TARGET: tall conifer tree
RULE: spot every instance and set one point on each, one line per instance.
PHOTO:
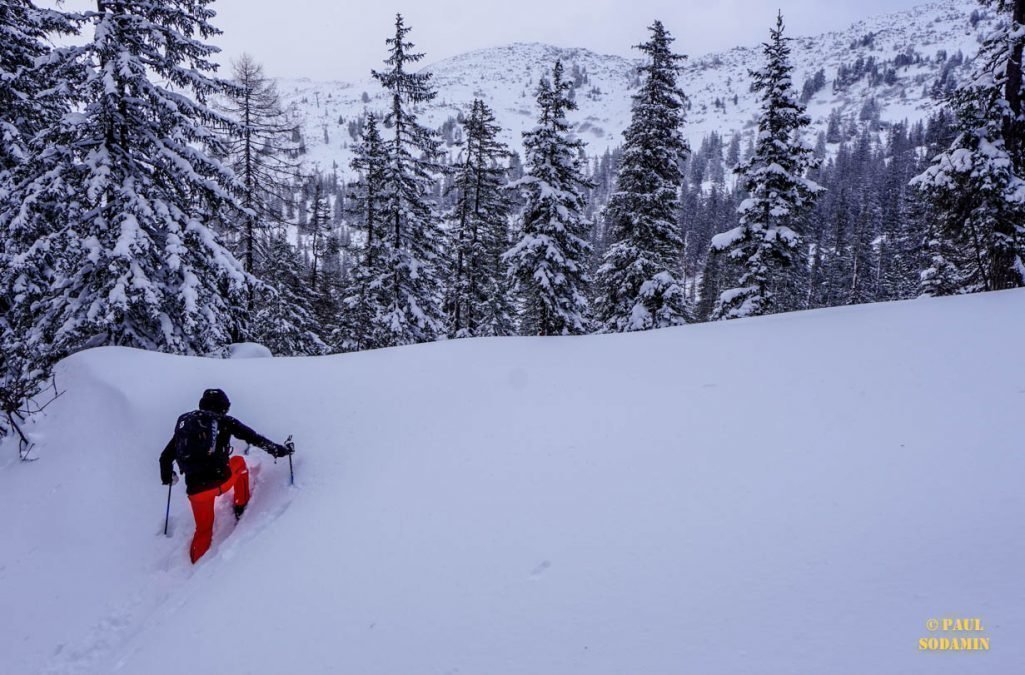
(767, 245)
(364, 303)
(411, 234)
(258, 149)
(549, 261)
(34, 82)
(478, 298)
(126, 193)
(32, 97)
(977, 186)
(638, 282)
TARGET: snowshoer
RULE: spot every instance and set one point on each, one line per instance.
(200, 447)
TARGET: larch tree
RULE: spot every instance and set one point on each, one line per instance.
(259, 148)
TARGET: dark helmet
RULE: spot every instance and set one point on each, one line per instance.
(214, 400)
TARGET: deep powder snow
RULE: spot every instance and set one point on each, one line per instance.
(792, 494)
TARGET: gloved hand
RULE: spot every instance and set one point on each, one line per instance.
(283, 450)
(174, 479)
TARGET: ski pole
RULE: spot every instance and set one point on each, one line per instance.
(291, 446)
(167, 515)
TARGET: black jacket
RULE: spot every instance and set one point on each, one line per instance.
(210, 469)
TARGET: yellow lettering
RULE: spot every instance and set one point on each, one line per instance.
(956, 644)
(948, 624)
(967, 625)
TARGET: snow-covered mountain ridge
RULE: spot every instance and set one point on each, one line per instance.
(889, 67)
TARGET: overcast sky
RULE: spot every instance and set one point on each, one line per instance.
(344, 39)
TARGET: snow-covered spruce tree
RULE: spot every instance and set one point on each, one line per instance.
(411, 234)
(767, 245)
(478, 300)
(364, 300)
(258, 148)
(977, 187)
(549, 262)
(33, 96)
(639, 279)
(942, 275)
(116, 198)
(283, 320)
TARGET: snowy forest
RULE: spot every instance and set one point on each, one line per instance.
(148, 201)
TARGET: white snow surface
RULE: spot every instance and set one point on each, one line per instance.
(248, 350)
(792, 494)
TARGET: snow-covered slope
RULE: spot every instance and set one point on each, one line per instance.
(793, 494)
(917, 45)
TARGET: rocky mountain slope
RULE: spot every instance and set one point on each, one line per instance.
(881, 70)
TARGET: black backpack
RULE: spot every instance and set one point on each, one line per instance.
(196, 439)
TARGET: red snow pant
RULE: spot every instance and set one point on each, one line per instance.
(203, 505)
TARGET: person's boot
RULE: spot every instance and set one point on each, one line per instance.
(239, 510)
